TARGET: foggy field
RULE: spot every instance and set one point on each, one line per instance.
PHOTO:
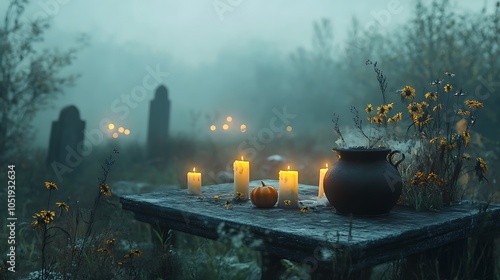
(106, 98)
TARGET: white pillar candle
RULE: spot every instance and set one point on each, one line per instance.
(194, 182)
(241, 170)
(288, 195)
(321, 190)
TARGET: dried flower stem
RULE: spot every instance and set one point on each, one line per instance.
(358, 123)
(336, 127)
(382, 81)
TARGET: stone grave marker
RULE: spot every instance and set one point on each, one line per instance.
(159, 118)
(66, 138)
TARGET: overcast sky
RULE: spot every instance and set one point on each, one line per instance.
(182, 38)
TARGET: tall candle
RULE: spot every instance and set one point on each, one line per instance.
(241, 170)
(321, 190)
(194, 182)
(288, 195)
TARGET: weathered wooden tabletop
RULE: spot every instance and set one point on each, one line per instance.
(318, 235)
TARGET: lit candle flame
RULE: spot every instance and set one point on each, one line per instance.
(194, 169)
(327, 165)
(241, 157)
(289, 167)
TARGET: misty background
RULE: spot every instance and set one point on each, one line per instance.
(237, 62)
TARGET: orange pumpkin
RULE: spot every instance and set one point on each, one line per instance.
(264, 196)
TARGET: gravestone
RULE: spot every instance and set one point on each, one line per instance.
(159, 118)
(66, 137)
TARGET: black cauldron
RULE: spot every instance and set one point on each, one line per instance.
(364, 181)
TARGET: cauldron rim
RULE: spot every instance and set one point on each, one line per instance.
(362, 149)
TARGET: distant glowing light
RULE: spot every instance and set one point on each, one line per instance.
(111, 126)
(229, 119)
(225, 126)
(121, 129)
(126, 132)
(289, 128)
(115, 135)
(213, 127)
(243, 128)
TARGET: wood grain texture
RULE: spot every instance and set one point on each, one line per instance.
(317, 236)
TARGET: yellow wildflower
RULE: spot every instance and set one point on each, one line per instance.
(378, 120)
(369, 108)
(482, 164)
(415, 109)
(437, 107)
(473, 104)
(304, 210)
(51, 186)
(419, 178)
(480, 169)
(38, 221)
(432, 177)
(431, 95)
(136, 252)
(105, 189)
(396, 118)
(382, 110)
(62, 206)
(421, 120)
(103, 250)
(466, 136)
(408, 92)
(448, 88)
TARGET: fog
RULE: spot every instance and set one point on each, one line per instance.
(219, 62)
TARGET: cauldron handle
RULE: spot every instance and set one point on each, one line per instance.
(391, 155)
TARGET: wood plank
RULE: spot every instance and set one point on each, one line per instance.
(320, 234)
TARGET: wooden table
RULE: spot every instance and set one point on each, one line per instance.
(326, 241)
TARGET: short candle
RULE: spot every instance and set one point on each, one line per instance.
(194, 182)
(321, 190)
(288, 194)
(241, 170)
